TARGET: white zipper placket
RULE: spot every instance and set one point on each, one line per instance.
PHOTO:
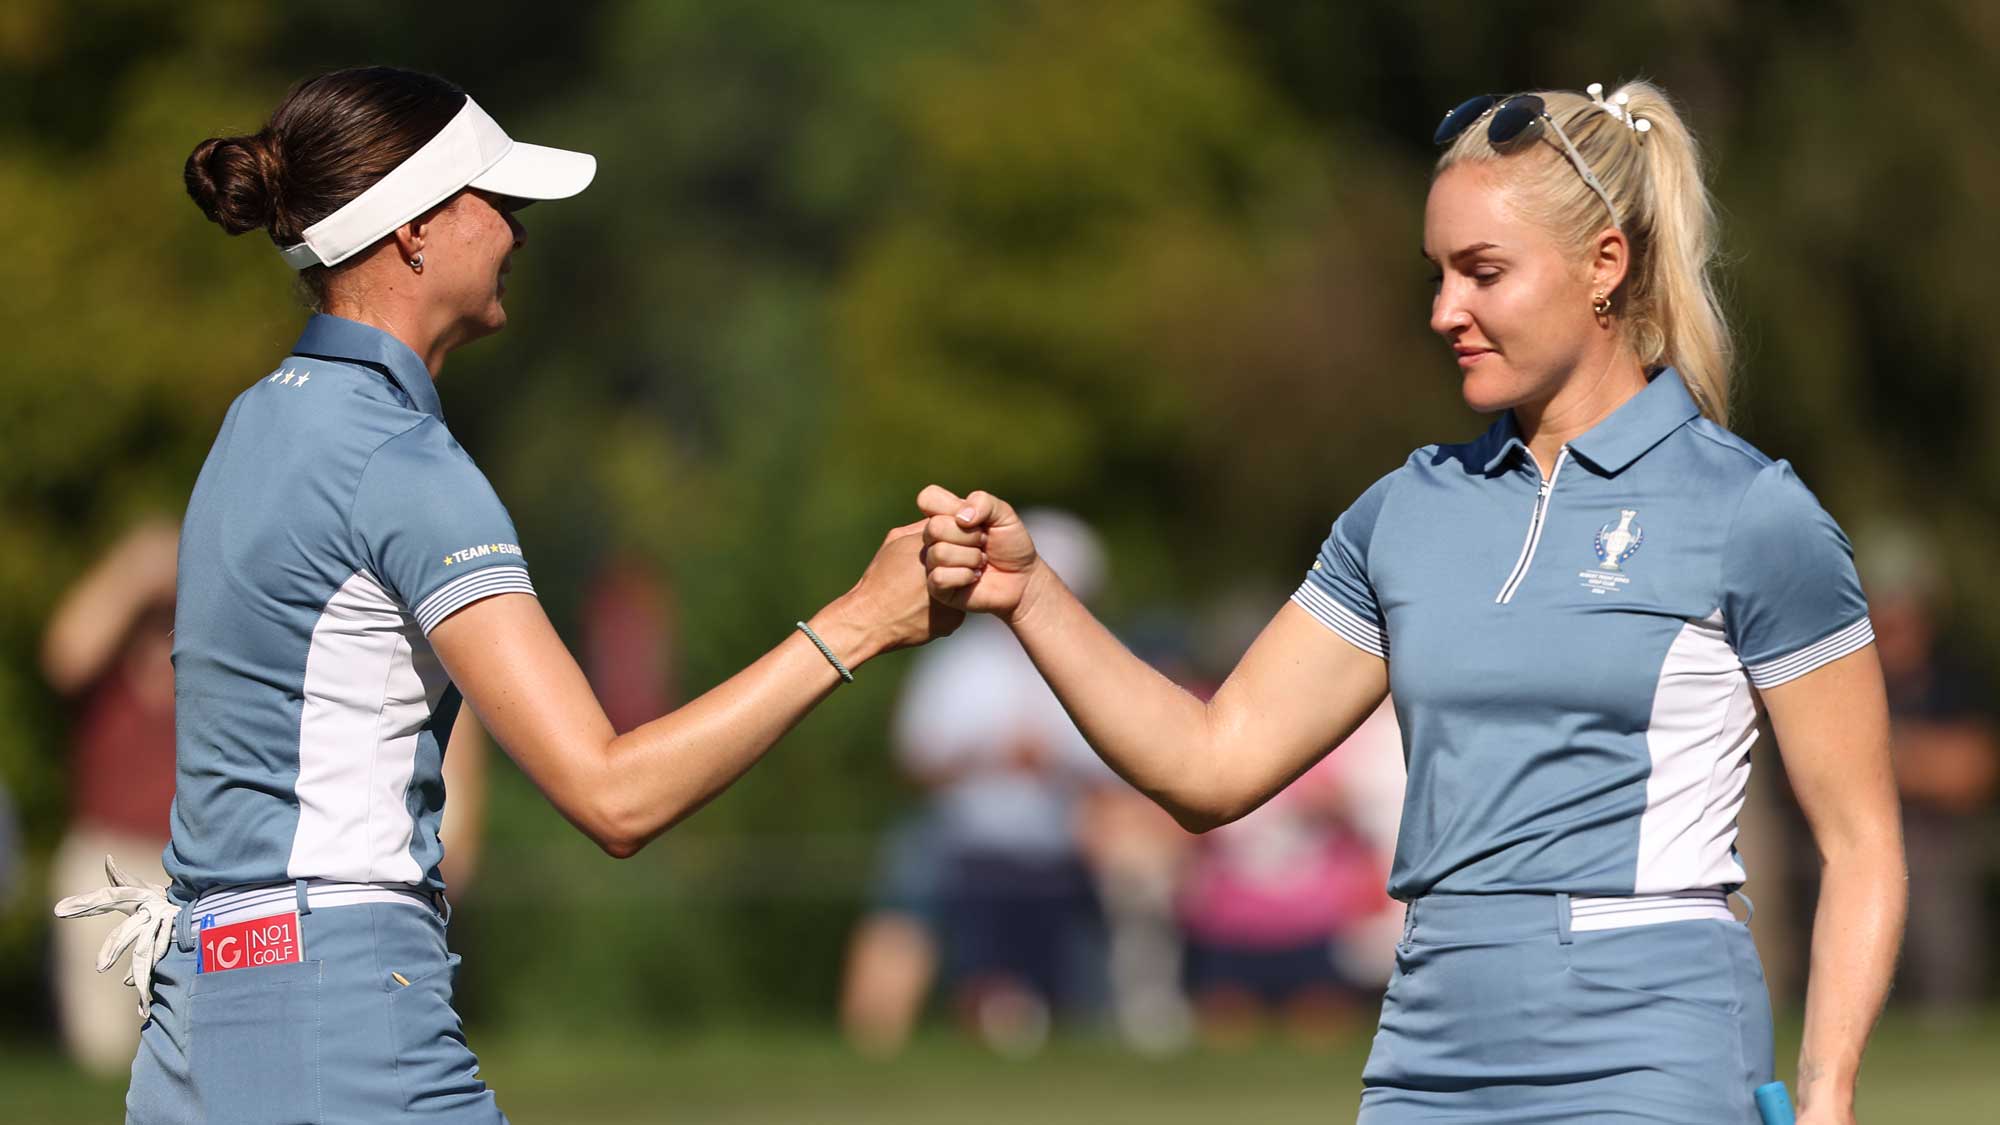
(1527, 558)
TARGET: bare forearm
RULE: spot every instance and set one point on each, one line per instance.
(1856, 932)
(660, 773)
(86, 626)
(1296, 693)
(623, 790)
(84, 631)
(1147, 728)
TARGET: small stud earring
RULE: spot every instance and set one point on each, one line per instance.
(1601, 305)
(417, 263)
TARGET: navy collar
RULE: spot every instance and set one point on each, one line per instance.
(1640, 423)
(348, 341)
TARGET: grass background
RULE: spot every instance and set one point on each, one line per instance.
(736, 1077)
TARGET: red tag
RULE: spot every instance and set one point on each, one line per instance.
(260, 941)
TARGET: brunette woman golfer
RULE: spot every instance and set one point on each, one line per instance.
(346, 573)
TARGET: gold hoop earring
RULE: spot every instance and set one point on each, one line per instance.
(1601, 305)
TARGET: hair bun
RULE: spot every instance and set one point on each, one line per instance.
(234, 180)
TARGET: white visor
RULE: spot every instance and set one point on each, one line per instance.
(471, 151)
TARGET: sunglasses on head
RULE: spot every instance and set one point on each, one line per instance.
(1511, 119)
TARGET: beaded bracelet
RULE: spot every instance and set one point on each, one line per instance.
(845, 675)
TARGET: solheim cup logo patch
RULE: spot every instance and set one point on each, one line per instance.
(1617, 541)
(1616, 544)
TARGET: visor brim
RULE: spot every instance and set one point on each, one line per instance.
(538, 172)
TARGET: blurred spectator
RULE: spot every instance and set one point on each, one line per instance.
(108, 647)
(1286, 909)
(1947, 763)
(892, 958)
(462, 829)
(1369, 775)
(991, 874)
(1137, 855)
(628, 650)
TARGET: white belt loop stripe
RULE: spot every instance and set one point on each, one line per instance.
(222, 908)
(1617, 912)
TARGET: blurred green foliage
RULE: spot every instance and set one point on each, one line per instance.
(1153, 261)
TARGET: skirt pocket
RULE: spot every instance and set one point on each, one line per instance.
(1679, 1014)
(435, 1066)
(254, 1044)
(1671, 964)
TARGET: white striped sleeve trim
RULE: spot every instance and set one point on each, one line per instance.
(463, 591)
(1827, 649)
(1352, 627)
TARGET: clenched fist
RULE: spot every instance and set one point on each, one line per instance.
(977, 552)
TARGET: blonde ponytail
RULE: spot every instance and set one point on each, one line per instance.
(1667, 306)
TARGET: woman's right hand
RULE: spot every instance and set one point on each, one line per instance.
(978, 553)
(890, 607)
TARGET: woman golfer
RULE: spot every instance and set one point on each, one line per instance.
(1581, 614)
(345, 573)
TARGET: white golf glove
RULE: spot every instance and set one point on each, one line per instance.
(145, 935)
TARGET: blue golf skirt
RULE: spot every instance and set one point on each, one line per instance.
(360, 1030)
(1501, 1011)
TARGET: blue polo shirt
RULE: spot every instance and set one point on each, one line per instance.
(1574, 661)
(334, 524)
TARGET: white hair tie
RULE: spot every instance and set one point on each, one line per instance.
(1616, 107)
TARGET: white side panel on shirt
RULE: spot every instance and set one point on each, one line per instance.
(371, 681)
(1703, 723)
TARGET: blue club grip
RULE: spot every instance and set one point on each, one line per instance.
(1774, 1105)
